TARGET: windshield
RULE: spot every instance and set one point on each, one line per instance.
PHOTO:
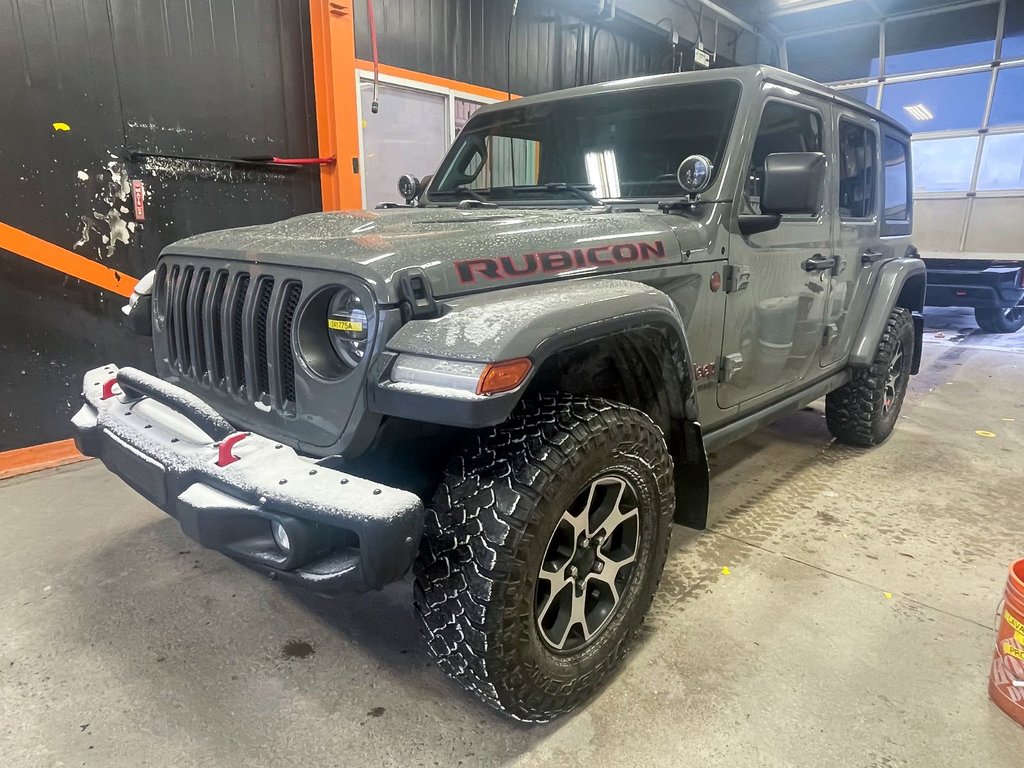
(615, 146)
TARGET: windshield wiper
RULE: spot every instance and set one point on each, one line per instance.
(582, 194)
(464, 190)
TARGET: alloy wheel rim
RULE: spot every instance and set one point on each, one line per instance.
(893, 377)
(1013, 314)
(588, 564)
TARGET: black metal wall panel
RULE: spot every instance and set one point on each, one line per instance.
(196, 77)
(465, 40)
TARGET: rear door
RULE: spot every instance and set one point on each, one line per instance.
(773, 327)
(856, 179)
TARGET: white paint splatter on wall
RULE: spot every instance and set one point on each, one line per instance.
(105, 220)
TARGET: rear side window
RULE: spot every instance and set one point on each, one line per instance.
(857, 171)
(784, 128)
(897, 187)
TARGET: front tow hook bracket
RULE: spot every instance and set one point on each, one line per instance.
(224, 454)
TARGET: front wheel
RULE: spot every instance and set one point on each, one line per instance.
(864, 410)
(542, 551)
(999, 320)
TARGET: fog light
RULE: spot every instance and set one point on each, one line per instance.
(280, 537)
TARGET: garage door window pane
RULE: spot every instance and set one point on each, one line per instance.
(951, 39)
(868, 95)
(1008, 104)
(1013, 31)
(944, 165)
(938, 104)
(1002, 162)
(815, 57)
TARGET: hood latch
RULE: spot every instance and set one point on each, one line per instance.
(417, 295)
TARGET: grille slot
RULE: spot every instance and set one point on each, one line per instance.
(292, 293)
(238, 346)
(215, 305)
(264, 289)
(231, 331)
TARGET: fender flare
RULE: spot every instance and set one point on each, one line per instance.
(539, 322)
(900, 282)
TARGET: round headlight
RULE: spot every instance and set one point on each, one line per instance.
(347, 326)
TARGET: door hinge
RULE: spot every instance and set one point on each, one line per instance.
(731, 365)
(737, 277)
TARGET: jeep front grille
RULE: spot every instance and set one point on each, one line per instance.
(231, 330)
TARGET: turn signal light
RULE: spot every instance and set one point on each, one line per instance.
(501, 377)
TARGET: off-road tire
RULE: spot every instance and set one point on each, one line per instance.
(856, 413)
(1000, 320)
(487, 531)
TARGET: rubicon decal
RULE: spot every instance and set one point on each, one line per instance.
(548, 262)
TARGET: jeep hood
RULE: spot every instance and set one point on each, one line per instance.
(460, 251)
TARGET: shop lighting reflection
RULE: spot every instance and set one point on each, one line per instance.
(603, 173)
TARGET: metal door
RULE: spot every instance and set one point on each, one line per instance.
(855, 180)
(408, 135)
(774, 325)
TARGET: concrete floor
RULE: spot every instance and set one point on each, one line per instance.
(839, 614)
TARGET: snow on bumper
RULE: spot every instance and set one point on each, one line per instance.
(344, 533)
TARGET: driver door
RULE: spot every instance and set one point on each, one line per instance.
(774, 325)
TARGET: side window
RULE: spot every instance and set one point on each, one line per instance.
(857, 171)
(896, 195)
(784, 128)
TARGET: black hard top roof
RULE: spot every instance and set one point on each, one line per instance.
(751, 76)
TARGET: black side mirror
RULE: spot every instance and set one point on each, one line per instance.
(794, 182)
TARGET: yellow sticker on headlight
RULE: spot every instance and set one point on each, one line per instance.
(343, 325)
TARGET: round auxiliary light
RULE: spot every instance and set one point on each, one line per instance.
(694, 174)
(280, 537)
(409, 187)
(347, 327)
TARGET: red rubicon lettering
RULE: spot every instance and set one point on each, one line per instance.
(593, 256)
(511, 269)
(485, 267)
(555, 261)
(508, 267)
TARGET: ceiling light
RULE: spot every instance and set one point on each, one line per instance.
(919, 112)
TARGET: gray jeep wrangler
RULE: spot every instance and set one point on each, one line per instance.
(510, 384)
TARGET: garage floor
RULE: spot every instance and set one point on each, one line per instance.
(840, 614)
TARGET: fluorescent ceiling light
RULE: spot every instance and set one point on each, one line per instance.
(919, 112)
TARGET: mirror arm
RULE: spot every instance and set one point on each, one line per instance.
(752, 223)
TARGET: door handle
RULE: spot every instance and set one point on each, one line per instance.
(817, 262)
(869, 256)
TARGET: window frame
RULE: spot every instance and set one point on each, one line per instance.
(825, 127)
(871, 127)
(897, 227)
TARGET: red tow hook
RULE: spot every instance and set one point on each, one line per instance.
(224, 454)
(108, 389)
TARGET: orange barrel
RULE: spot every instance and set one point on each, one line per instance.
(1006, 682)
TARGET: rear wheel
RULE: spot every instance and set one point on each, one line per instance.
(1000, 320)
(865, 409)
(542, 551)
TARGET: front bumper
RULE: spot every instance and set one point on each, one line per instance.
(345, 533)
